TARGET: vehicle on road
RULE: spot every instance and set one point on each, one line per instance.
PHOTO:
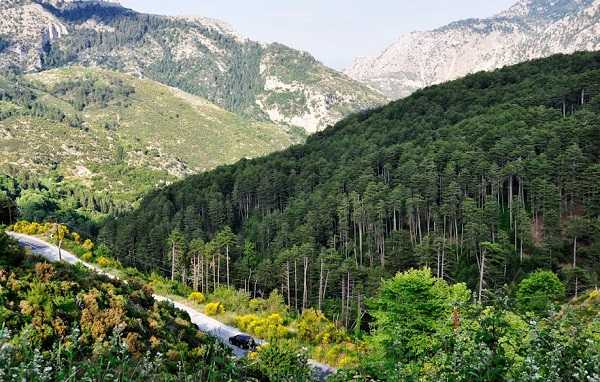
(243, 341)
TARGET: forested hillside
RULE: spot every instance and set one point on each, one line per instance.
(484, 180)
(96, 140)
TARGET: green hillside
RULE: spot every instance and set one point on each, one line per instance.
(119, 134)
(205, 57)
(499, 169)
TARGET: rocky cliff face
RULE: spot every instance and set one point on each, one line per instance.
(529, 29)
(201, 56)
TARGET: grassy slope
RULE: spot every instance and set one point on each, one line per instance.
(166, 133)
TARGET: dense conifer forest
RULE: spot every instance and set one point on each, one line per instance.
(483, 180)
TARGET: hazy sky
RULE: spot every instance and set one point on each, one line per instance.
(334, 31)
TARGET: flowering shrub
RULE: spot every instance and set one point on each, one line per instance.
(315, 328)
(104, 262)
(267, 327)
(88, 245)
(214, 308)
(31, 228)
(197, 297)
(87, 257)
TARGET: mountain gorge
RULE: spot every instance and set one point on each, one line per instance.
(529, 29)
(205, 57)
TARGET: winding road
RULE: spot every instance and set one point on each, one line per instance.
(204, 323)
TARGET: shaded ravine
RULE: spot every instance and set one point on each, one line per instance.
(204, 323)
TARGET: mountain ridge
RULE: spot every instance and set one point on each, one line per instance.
(529, 29)
(202, 56)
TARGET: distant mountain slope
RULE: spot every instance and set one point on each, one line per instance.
(529, 29)
(118, 133)
(201, 56)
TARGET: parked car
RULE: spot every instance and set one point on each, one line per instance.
(243, 341)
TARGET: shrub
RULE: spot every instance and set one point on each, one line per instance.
(87, 257)
(314, 327)
(30, 228)
(231, 299)
(343, 354)
(267, 327)
(44, 271)
(197, 297)
(539, 292)
(76, 237)
(88, 245)
(214, 308)
(283, 360)
(104, 262)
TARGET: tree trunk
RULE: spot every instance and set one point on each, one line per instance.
(305, 294)
(481, 271)
(287, 277)
(575, 265)
(296, 284)
(320, 284)
(173, 262)
(227, 259)
(510, 199)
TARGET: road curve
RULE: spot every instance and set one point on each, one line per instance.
(204, 323)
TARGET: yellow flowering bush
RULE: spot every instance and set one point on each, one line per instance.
(314, 327)
(267, 327)
(88, 245)
(104, 262)
(88, 257)
(214, 308)
(197, 297)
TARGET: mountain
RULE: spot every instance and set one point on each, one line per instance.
(204, 57)
(503, 165)
(529, 29)
(120, 134)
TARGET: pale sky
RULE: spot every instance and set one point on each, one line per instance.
(334, 31)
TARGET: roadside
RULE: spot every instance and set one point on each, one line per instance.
(204, 323)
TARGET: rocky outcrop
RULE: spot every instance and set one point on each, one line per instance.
(529, 29)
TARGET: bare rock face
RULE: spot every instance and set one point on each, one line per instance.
(65, 3)
(25, 29)
(529, 29)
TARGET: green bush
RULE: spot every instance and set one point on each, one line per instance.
(231, 299)
(283, 360)
(540, 292)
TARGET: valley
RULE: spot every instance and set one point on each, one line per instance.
(179, 202)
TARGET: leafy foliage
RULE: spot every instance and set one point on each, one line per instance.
(61, 322)
(483, 343)
(283, 361)
(540, 292)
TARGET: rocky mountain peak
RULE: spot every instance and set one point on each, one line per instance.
(528, 30)
(65, 3)
(544, 9)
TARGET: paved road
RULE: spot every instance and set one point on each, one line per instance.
(205, 323)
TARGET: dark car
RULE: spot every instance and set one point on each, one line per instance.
(243, 341)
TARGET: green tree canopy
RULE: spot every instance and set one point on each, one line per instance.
(540, 292)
